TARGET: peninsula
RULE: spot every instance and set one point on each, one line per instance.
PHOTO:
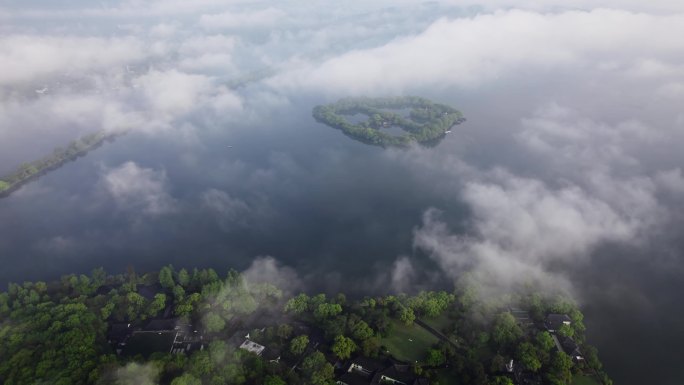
(27, 172)
(424, 122)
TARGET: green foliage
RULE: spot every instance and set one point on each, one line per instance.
(213, 323)
(158, 304)
(544, 341)
(4, 185)
(317, 370)
(50, 343)
(406, 315)
(297, 305)
(527, 356)
(274, 380)
(434, 357)
(166, 277)
(299, 344)
(501, 380)
(505, 330)
(183, 278)
(431, 303)
(186, 379)
(343, 347)
(566, 331)
(327, 310)
(559, 372)
(360, 330)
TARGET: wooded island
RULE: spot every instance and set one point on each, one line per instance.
(426, 121)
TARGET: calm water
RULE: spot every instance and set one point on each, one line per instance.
(338, 211)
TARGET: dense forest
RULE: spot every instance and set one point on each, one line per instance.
(426, 121)
(197, 327)
(61, 155)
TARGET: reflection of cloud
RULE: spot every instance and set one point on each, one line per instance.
(229, 210)
(137, 188)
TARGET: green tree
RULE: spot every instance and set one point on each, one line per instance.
(284, 331)
(343, 347)
(178, 293)
(559, 372)
(158, 304)
(274, 380)
(135, 303)
(566, 331)
(166, 277)
(406, 315)
(297, 305)
(183, 278)
(544, 341)
(501, 380)
(505, 330)
(361, 331)
(435, 357)
(186, 379)
(299, 344)
(214, 323)
(317, 369)
(327, 310)
(527, 356)
(4, 185)
(371, 347)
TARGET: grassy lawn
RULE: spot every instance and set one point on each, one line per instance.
(584, 380)
(445, 377)
(408, 343)
(440, 322)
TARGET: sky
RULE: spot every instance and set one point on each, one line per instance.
(576, 166)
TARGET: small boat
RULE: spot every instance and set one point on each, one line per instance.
(447, 131)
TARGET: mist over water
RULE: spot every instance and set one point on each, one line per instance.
(566, 174)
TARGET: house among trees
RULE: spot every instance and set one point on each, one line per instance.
(367, 371)
(252, 347)
(570, 348)
(555, 321)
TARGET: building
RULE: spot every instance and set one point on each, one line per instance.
(366, 371)
(252, 347)
(571, 348)
(555, 321)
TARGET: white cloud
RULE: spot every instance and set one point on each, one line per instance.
(139, 189)
(246, 19)
(27, 58)
(487, 47)
(269, 270)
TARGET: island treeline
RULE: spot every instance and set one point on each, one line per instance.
(197, 327)
(27, 172)
(426, 121)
